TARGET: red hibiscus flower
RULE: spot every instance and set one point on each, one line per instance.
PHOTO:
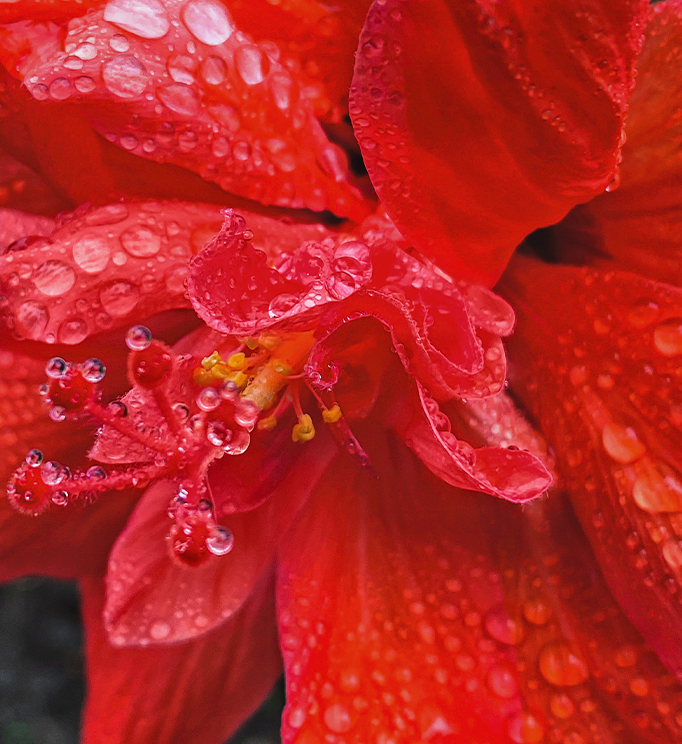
(368, 554)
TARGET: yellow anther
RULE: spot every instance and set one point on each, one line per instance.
(239, 379)
(304, 430)
(331, 415)
(210, 361)
(250, 341)
(281, 367)
(237, 361)
(221, 371)
(267, 424)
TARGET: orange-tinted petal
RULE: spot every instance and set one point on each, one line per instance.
(197, 692)
(413, 612)
(146, 587)
(481, 122)
(599, 370)
(178, 82)
(637, 226)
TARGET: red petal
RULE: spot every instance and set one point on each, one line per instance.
(257, 296)
(599, 370)
(44, 10)
(508, 473)
(22, 227)
(103, 268)
(319, 39)
(410, 612)
(229, 110)
(637, 226)
(482, 122)
(191, 693)
(145, 586)
(23, 189)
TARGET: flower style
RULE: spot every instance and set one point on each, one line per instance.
(368, 554)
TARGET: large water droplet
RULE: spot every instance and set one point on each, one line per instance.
(72, 331)
(252, 65)
(125, 76)
(537, 611)
(281, 304)
(181, 68)
(140, 241)
(221, 541)
(145, 18)
(657, 489)
(561, 666)
(338, 718)
(93, 370)
(525, 728)
(54, 278)
(643, 314)
(621, 443)
(91, 253)
(30, 319)
(159, 630)
(668, 337)
(179, 98)
(138, 338)
(502, 627)
(502, 682)
(119, 297)
(208, 21)
(213, 70)
(341, 285)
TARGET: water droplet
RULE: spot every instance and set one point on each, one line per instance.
(139, 337)
(668, 337)
(111, 214)
(208, 21)
(643, 314)
(281, 304)
(672, 553)
(91, 253)
(621, 443)
(179, 98)
(54, 278)
(561, 705)
(525, 728)
(502, 627)
(56, 368)
(72, 331)
(561, 666)
(213, 70)
(238, 443)
(125, 76)
(60, 89)
(221, 541)
(96, 473)
(84, 84)
(53, 473)
(119, 298)
(140, 241)
(341, 285)
(502, 682)
(338, 718)
(208, 399)
(145, 18)
(119, 43)
(252, 65)
(639, 687)
(60, 498)
(86, 51)
(93, 370)
(217, 433)
(118, 408)
(34, 457)
(181, 68)
(657, 489)
(159, 630)
(625, 656)
(31, 319)
(537, 611)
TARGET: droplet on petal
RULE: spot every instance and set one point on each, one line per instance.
(208, 21)
(145, 18)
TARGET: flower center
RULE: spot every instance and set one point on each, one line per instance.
(181, 415)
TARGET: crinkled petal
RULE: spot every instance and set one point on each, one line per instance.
(481, 122)
(235, 289)
(145, 586)
(413, 612)
(599, 371)
(196, 692)
(105, 267)
(637, 226)
(179, 82)
(509, 473)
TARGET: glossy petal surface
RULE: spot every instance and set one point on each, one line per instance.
(600, 374)
(145, 586)
(179, 82)
(184, 693)
(455, 619)
(480, 122)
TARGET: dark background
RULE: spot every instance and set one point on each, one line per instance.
(41, 669)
